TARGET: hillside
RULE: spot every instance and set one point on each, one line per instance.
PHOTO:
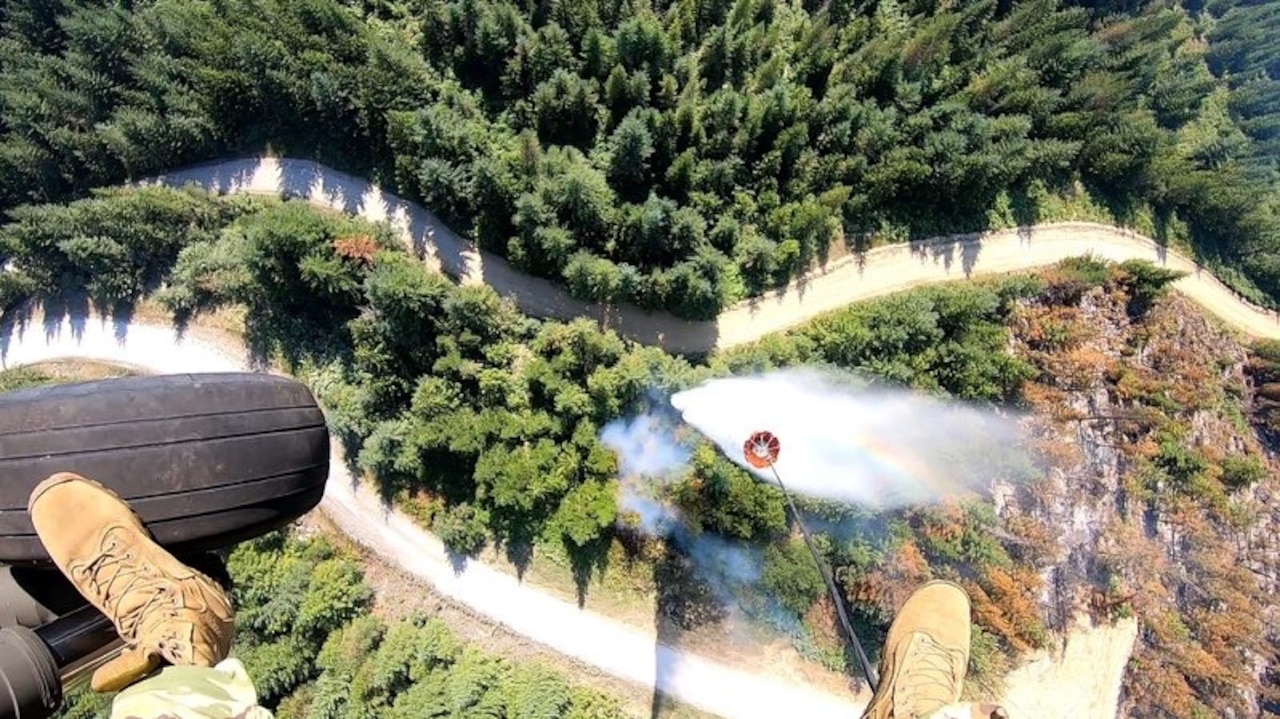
(1056, 686)
(1151, 495)
(680, 155)
(425, 376)
(644, 194)
(1159, 499)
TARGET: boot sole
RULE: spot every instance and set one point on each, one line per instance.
(948, 583)
(889, 669)
(152, 545)
(62, 478)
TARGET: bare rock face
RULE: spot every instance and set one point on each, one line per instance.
(1156, 530)
(1082, 679)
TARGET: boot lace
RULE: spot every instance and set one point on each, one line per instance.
(116, 577)
(930, 678)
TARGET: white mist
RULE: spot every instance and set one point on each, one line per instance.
(877, 448)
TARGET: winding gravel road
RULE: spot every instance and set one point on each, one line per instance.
(849, 279)
(609, 645)
(612, 646)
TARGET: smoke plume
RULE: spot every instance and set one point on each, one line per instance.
(840, 440)
(877, 448)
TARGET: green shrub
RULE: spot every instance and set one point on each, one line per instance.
(463, 528)
(1181, 464)
(1147, 281)
(16, 378)
(791, 577)
(988, 664)
(1241, 472)
(15, 287)
(1087, 269)
(1268, 350)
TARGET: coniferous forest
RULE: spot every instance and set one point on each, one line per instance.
(685, 155)
(485, 426)
(682, 155)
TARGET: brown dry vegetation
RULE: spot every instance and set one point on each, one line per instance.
(360, 248)
(1154, 482)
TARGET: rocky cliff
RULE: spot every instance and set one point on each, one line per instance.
(1156, 525)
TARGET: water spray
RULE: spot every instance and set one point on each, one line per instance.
(761, 451)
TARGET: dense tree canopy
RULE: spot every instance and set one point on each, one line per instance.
(1244, 47)
(305, 633)
(113, 248)
(680, 155)
(676, 154)
(486, 425)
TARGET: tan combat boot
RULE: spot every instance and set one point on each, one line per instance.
(924, 660)
(162, 609)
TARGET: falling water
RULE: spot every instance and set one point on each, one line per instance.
(840, 440)
(878, 448)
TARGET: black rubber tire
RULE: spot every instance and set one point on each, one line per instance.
(205, 460)
(29, 682)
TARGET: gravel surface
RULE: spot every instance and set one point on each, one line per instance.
(848, 279)
(609, 645)
(612, 646)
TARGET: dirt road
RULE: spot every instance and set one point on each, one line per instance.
(1080, 683)
(849, 279)
(619, 649)
(614, 647)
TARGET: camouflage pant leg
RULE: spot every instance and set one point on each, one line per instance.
(966, 710)
(221, 692)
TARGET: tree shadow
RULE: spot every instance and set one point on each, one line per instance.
(587, 560)
(1027, 213)
(1164, 231)
(870, 630)
(1124, 209)
(69, 308)
(457, 561)
(295, 340)
(520, 554)
(948, 251)
(684, 602)
(121, 314)
(72, 307)
(517, 536)
(219, 177)
(351, 443)
(667, 580)
(14, 321)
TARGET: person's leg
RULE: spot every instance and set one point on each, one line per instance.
(164, 610)
(221, 692)
(924, 660)
(970, 710)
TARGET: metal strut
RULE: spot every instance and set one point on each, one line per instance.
(872, 679)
